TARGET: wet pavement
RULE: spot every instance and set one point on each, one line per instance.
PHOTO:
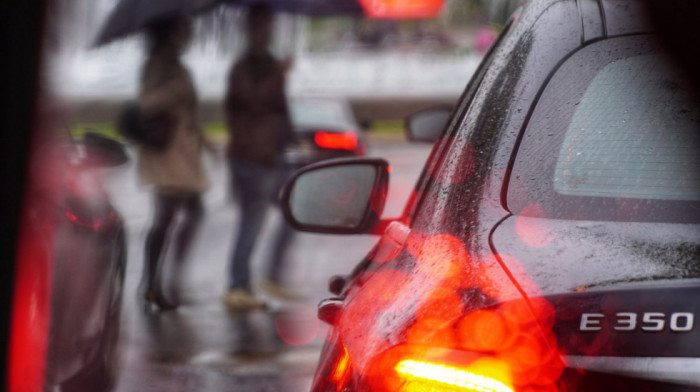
(204, 347)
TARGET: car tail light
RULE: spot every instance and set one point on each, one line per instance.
(336, 141)
(31, 303)
(335, 371)
(414, 368)
(443, 327)
(30, 314)
(429, 376)
(402, 8)
(341, 369)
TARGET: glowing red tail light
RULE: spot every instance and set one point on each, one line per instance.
(30, 316)
(426, 376)
(341, 368)
(96, 223)
(336, 141)
(402, 8)
(411, 368)
(457, 329)
(31, 303)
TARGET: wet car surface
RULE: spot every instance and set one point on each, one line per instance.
(69, 291)
(553, 239)
(88, 275)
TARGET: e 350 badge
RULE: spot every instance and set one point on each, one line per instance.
(647, 322)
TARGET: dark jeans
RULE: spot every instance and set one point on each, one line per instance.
(255, 186)
(166, 208)
(283, 236)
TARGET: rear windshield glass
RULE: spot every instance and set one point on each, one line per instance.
(617, 129)
(327, 113)
(634, 134)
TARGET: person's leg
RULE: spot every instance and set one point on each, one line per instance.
(278, 256)
(193, 209)
(164, 211)
(254, 185)
(284, 233)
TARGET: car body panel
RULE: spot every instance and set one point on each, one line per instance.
(562, 256)
(88, 264)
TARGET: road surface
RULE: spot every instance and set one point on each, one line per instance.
(202, 346)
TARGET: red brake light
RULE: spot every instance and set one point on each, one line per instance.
(30, 314)
(31, 303)
(336, 141)
(402, 8)
(341, 368)
(413, 368)
(336, 370)
(428, 376)
(95, 224)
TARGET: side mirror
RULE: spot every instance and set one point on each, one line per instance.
(427, 125)
(102, 151)
(339, 196)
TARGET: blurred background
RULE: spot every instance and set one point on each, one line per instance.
(384, 68)
(361, 59)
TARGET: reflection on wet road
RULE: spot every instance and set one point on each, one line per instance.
(204, 347)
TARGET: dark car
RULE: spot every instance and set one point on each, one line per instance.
(325, 128)
(553, 239)
(71, 275)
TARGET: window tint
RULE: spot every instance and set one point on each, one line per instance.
(615, 136)
(317, 112)
(634, 134)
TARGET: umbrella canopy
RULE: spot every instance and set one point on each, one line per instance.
(307, 7)
(131, 16)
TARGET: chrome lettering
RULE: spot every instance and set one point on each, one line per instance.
(591, 321)
(688, 323)
(626, 322)
(657, 321)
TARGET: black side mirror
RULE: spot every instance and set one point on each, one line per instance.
(340, 196)
(102, 151)
(427, 125)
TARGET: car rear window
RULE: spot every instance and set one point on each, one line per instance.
(633, 135)
(328, 113)
(615, 136)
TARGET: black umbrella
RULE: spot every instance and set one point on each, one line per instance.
(307, 7)
(131, 16)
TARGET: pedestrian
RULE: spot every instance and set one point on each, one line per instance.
(257, 118)
(175, 173)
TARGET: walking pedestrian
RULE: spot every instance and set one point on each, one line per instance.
(175, 173)
(259, 127)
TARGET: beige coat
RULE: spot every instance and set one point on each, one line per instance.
(166, 85)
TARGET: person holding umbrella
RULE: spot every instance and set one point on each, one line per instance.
(175, 173)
